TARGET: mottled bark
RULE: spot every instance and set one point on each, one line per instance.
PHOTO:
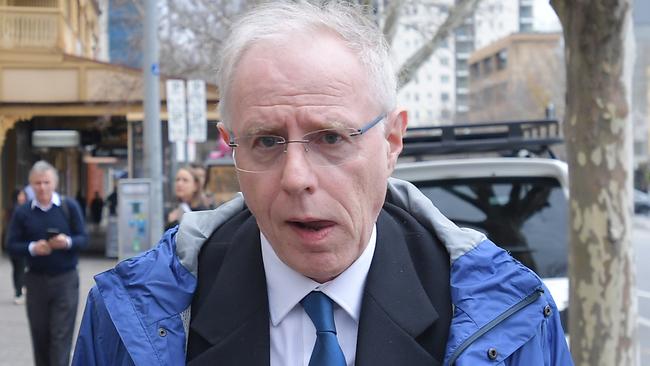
(602, 319)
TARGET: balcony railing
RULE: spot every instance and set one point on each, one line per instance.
(29, 27)
(30, 3)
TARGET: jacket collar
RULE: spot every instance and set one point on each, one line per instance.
(396, 309)
(234, 318)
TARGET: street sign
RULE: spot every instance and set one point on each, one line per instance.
(196, 111)
(176, 116)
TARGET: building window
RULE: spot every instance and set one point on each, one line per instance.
(444, 61)
(416, 96)
(444, 97)
(444, 79)
(502, 59)
(487, 65)
(462, 82)
(475, 69)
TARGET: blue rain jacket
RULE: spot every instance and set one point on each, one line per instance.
(138, 312)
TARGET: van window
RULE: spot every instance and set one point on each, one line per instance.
(525, 216)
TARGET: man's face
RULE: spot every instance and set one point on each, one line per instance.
(318, 219)
(43, 184)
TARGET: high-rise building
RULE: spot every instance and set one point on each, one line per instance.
(429, 97)
(124, 33)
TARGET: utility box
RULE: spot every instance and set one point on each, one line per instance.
(134, 217)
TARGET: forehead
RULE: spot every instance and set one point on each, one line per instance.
(41, 176)
(184, 173)
(313, 75)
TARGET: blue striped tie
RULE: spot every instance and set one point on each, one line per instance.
(327, 351)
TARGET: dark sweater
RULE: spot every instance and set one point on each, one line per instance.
(31, 224)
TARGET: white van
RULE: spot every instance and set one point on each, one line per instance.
(520, 203)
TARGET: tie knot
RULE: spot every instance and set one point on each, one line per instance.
(319, 308)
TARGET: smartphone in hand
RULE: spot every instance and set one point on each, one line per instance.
(52, 232)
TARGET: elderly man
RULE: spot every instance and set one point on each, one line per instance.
(49, 231)
(323, 260)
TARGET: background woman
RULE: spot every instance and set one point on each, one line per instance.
(189, 192)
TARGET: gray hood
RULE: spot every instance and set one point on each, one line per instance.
(196, 227)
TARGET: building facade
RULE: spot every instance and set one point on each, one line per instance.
(60, 101)
(520, 77)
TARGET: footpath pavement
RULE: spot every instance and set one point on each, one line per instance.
(15, 343)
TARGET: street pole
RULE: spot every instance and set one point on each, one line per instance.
(152, 135)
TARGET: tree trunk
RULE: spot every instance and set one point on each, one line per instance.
(597, 128)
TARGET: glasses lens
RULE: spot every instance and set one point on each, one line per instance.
(331, 146)
(328, 147)
(258, 153)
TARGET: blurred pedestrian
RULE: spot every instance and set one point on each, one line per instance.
(48, 232)
(111, 201)
(81, 200)
(96, 207)
(189, 193)
(19, 198)
(207, 197)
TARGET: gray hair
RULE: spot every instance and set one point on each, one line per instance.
(277, 19)
(43, 166)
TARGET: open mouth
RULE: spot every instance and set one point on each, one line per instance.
(311, 225)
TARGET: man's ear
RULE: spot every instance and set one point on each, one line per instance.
(395, 130)
(224, 132)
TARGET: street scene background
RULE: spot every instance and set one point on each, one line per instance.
(15, 346)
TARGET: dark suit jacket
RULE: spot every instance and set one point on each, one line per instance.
(406, 308)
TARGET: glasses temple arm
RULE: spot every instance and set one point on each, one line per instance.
(372, 123)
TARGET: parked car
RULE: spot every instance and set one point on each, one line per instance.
(520, 203)
(641, 202)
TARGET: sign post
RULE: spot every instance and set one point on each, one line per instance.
(187, 118)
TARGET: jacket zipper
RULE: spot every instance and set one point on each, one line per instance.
(496, 321)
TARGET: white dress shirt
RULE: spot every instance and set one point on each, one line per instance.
(292, 332)
(56, 201)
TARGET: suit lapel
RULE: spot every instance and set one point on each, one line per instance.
(396, 308)
(234, 318)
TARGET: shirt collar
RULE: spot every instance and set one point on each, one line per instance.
(56, 201)
(286, 287)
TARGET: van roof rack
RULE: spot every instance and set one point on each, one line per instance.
(505, 138)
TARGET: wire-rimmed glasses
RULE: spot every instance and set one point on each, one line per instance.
(327, 147)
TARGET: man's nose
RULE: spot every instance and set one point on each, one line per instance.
(297, 172)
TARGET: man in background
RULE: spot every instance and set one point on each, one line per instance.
(49, 232)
